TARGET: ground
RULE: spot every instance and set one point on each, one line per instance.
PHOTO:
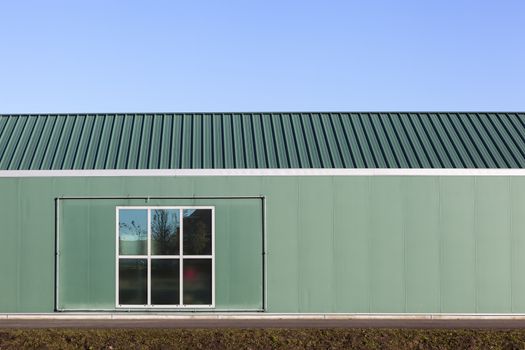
(262, 338)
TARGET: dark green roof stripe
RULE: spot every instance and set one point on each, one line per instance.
(262, 140)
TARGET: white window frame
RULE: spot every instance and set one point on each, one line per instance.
(180, 257)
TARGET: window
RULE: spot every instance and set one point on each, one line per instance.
(165, 257)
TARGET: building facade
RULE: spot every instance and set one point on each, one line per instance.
(263, 212)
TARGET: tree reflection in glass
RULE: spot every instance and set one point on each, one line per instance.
(165, 230)
(133, 232)
(197, 231)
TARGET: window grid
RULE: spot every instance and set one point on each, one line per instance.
(181, 257)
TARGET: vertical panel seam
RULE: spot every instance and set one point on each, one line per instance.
(369, 244)
(334, 264)
(476, 273)
(90, 295)
(441, 243)
(404, 227)
(512, 243)
(299, 279)
(18, 244)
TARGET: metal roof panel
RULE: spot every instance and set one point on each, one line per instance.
(262, 140)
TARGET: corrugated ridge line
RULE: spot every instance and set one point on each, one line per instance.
(401, 136)
(334, 147)
(100, 134)
(266, 137)
(351, 140)
(27, 141)
(196, 141)
(48, 144)
(415, 141)
(250, 155)
(150, 159)
(70, 145)
(396, 147)
(60, 140)
(110, 143)
(325, 144)
(218, 145)
(92, 143)
(119, 141)
(303, 156)
(80, 152)
(238, 141)
(73, 143)
(177, 141)
(470, 139)
(495, 135)
(163, 141)
(228, 142)
(280, 142)
(365, 140)
(309, 142)
(341, 139)
(13, 141)
(124, 137)
(262, 140)
(38, 147)
(447, 141)
(207, 146)
(374, 143)
(391, 157)
(434, 154)
(5, 136)
(254, 142)
(518, 139)
(3, 126)
(320, 140)
(437, 143)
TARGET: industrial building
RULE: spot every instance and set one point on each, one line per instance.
(355, 213)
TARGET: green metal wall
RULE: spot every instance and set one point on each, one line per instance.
(335, 244)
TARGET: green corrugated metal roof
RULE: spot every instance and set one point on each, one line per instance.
(262, 140)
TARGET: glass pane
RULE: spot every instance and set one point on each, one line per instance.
(133, 281)
(133, 232)
(197, 282)
(165, 281)
(165, 230)
(197, 231)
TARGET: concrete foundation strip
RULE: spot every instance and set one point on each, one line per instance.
(257, 316)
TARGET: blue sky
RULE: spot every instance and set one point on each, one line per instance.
(163, 56)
